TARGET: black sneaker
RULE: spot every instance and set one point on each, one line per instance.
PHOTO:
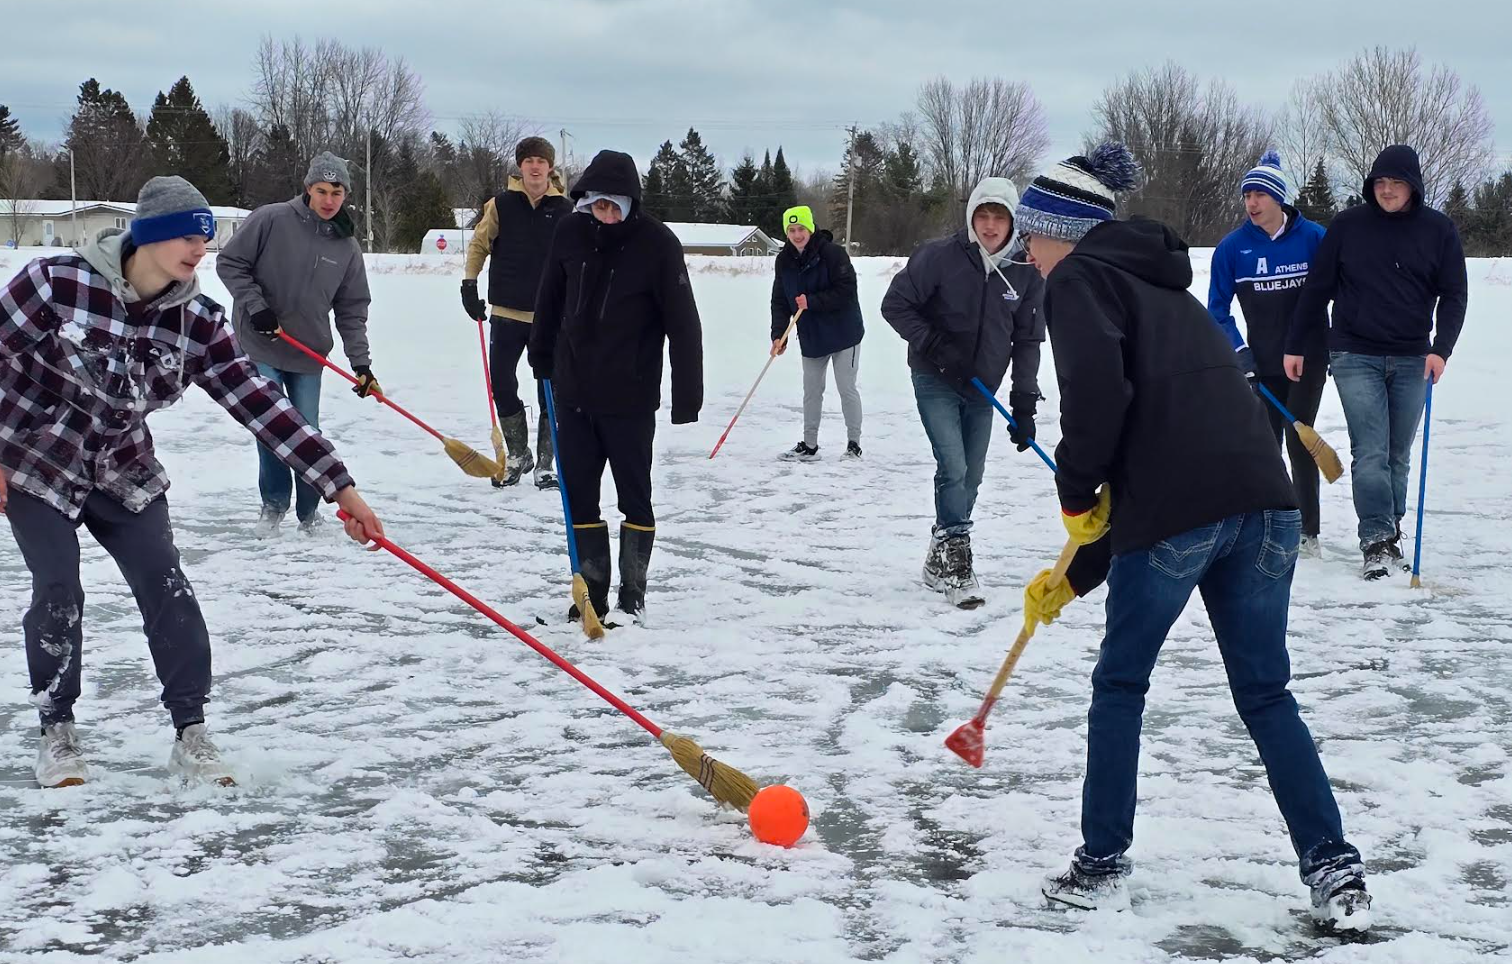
(801, 453)
(1339, 899)
(1378, 560)
(1084, 891)
(853, 450)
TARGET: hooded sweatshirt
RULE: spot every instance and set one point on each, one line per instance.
(287, 258)
(613, 297)
(954, 300)
(1152, 400)
(1267, 274)
(1386, 274)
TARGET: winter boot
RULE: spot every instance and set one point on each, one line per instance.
(934, 562)
(60, 762)
(1310, 548)
(853, 449)
(268, 523)
(593, 563)
(1091, 887)
(517, 460)
(634, 561)
(311, 526)
(1378, 559)
(961, 586)
(1339, 900)
(197, 760)
(802, 452)
(545, 467)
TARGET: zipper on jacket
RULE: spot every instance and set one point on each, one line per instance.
(577, 308)
(604, 305)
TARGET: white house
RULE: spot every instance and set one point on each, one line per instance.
(729, 239)
(41, 223)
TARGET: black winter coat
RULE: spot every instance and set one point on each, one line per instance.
(611, 297)
(824, 273)
(943, 300)
(1153, 401)
(1385, 273)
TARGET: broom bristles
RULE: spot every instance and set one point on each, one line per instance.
(470, 460)
(593, 628)
(1322, 453)
(725, 783)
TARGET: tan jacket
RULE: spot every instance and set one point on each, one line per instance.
(487, 229)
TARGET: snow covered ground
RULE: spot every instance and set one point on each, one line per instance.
(420, 787)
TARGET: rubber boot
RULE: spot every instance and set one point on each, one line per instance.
(517, 460)
(635, 560)
(593, 563)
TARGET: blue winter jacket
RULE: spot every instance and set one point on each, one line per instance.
(1267, 276)
(823, 272)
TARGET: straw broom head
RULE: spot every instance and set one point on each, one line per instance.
(592, 627)
(470, 460)
(724, 782)
(1321, 451)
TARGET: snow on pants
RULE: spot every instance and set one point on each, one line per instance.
(586, 442)
(847, 365)
(142, 546)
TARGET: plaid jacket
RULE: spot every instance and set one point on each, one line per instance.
(79, 376)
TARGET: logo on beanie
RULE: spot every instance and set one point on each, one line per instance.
(329, 176)
(206, 224)
(792, 219)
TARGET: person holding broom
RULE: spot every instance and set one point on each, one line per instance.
(513, 235)
(91, 343)
(290, 266)
(814, 275)
(1165, 455)
(614, 294)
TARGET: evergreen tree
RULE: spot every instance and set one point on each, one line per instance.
(705, 202)
(664, 179)
(1316, 200)
(866, 161)
(185, 142)
(745, 206)
(270, 179)
(1491, 234)
(784, 194)
(426, 204)
(1457, 208)
(110, 153)
(10, 132)
(768, 214)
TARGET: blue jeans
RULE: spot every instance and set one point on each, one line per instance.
(959, 430)
(275, 480)
(1243, 568)
(1383, 398)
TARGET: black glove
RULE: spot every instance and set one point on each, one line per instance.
(366, 383)
(265, 322)
(471, 303)
(1022, 405)
(1246, 360)
(952, 361)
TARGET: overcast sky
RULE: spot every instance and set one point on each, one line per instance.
(629, 74)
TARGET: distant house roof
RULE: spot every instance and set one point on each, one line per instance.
(39, 208)
(717, 235)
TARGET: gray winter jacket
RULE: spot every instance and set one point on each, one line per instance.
(286, 258)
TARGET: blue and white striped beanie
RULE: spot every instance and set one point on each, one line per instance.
(1267, 176)
(1074, 196)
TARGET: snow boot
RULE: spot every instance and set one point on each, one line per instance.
(197, 760)
(593, 563)
(545, 467)
(60, 762)
(801, 452)
(934, 562)
(1310, 548)
(311, 526)
(1340, 902)
(517, 460)
(1091, 888)
(961, 587)
(1379, 559)
(634, 562)
(268, 523)
(853, 449)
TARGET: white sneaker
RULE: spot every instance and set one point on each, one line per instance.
(1309, 548)
(60, 762)
(196, 759)
(267, 523)
(312, 525)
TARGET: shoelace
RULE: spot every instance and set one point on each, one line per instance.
(958, 556)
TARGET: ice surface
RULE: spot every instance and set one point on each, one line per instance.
(418, 786)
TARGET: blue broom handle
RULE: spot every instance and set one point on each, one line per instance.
(556, 452)
(1276, 402)
(1417, 545)
(999, 406)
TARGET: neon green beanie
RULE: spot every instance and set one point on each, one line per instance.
(798, 215)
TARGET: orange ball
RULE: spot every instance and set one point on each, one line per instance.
(779, 815)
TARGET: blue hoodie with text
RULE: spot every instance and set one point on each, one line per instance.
(1267, 275)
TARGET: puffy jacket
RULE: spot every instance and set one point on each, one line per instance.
(823, 272)
(286, 258)
(513, 235)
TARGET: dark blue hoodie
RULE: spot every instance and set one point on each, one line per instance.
(1385, 274)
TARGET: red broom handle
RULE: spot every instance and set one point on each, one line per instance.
(770, 358)
(514, 631)
(353, 379)
(493, 413)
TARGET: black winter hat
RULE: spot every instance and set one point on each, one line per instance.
(535, 147)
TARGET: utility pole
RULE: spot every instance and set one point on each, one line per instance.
(73, 201)
(850, 188)
(369, 204)
(562, 158)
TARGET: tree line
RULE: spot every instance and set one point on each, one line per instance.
(897, 182)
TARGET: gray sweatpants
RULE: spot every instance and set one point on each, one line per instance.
(847, 366)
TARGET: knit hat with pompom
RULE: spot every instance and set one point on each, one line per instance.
(1073, 196)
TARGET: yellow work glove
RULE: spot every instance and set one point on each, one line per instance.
(1044, 599)
(1087, 527)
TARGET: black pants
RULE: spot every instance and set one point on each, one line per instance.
(142, 546)
(586, 442)
(507, 339)
(1302, 399)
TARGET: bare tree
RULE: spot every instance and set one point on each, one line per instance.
(1382, 97)
(989, 126)
(244, 143)
(1194, 143)
(24, 172)
(1301, 134)
(485, 156)
(290, 89)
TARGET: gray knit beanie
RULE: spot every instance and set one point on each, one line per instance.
(170, 207)
(329, 168)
